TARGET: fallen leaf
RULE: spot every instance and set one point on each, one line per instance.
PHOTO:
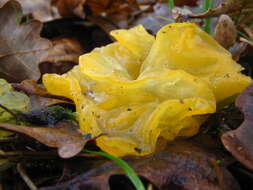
(156, 19)
(239, 141)
(186, 2)
(225, 31)
(248, 30)
(11, 101)
(246, 41)
(112, 7)
(21, 45)
(70, 8)
(116, 11)
(39, 9)
(3, 2)
(39, 97)
(65, 136)
(4, 163)
(225, 7)
(238, 49)
(104, 23)
(183, 165)
(61, 57)
(30, 87)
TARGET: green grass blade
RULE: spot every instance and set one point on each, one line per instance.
(208, 4)
(127, 169)
(171, 4)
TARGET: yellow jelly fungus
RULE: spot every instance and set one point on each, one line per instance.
(143, 87)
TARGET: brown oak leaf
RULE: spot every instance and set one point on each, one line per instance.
(182, 165)
(225, 7)
(65, 136)
(240, 141)
(62, 56)
(21, 45)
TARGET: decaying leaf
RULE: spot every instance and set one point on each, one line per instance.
(141, 87)
(4, 164)
(61, 57)
(185, 2)
(21, 45)
(70, 8)
(65, 136)
(183, 165)
(12, 100)
(117, 11)
(238, 49)
(239, 141)
(225, 7)
(156, 19)
(225, 31)
(39, 97)
(30, 87)
(39, 9)
(112, 7)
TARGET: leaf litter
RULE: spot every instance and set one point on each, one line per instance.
(19, 54)
(83, 25)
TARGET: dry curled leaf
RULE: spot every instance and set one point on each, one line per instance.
(238, 49)
(183, 165)
(225, 31)
(39, 97)
(30, 87)
(239, 141)
(70, 8)
(157, 18)
(21, 45)
(185, 2)
(225, 7)
(11, 101)
(61, 57)
(65, 136)
(116, 11)
(39, 9)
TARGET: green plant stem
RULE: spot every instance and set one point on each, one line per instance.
(208, 4)
(171, 4)
(121, 163)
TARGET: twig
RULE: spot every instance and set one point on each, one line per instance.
(25, 177)
(9, 111)
(219, 174)
(248, 31)
(150, 187)
(6, 166)
(32, 155)
(247, 41)
(40, 155)
(8, 139)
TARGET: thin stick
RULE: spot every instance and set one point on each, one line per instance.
(246, 41)
(8, 139)
(25, 177)
(9, 111)
(39, 155)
